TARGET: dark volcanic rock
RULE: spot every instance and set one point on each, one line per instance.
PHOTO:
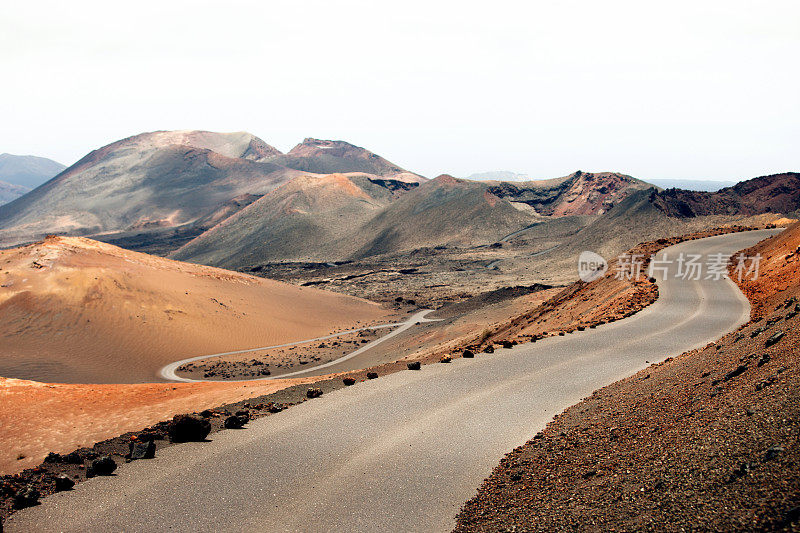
(349, 381)
(738, 371)
(188, 428)
(313, 392)
(103, 466)
(26, 497)
(414, 365)
(468, 354)
(64, 482)
(372, 375)
(234, 422)
(774, 339)
(141, 449)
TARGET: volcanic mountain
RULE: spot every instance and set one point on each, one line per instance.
(21, 173)
(580, 193)
(166, 186)
(80, 311)
(777, 193)
(330, 157)
(343, 217)
(28, 171)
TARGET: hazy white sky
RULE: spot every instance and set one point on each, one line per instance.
(685, 89)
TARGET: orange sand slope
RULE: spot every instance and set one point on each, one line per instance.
(36, 418)
(75, 310)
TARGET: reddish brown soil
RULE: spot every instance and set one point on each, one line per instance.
(709, 440)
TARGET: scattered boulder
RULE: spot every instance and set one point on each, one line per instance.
(234, 422)
(54, 457)
(468, 354)
(102, 466)
(773, 452)
(207, 413)
(141, 449)
(489, 349)
(445, 359)
(774, 339)
(26, 497)
(64, 482)
(507, 344)
(738, 371)
(372, 375)
(188, 428)
(414, 365)
(349, 381)
(313, 392)
(743, 470)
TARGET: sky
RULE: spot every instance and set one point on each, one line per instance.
(682, 89)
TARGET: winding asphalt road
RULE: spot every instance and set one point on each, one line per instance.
(168, 371)
(400, 453)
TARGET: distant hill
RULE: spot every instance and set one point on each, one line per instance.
(330, 157)
(580, 193)
(777, 193)
(28, 171)
(345, 217)
(166, 186)
(10, 191)
(498, 175)
(691, 185)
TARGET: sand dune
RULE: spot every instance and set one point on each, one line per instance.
(79, 311)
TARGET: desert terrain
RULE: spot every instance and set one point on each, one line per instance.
(81, 311)
(259, 276)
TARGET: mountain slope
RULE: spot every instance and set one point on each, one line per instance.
(777, 193)
(580, 193)
(309, 218)
(27, 170)
(81, 311)
(443, 211)
(160, 178)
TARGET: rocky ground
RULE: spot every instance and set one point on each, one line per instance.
(709, 440)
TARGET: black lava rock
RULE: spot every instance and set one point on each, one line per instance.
(234, 422)
(774, 339)
(141, 449)
(103, 466)
(372, 375)
(26, 497)
(64, 483)
(188, 428)
(414, 365)
(738, 371)
(313, 393)
(468, 354)
(349, 381)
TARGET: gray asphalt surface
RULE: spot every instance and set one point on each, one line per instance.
(400, 453)
(168, 371)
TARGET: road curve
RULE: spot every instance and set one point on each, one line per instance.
(400, 453)
(168, 371)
